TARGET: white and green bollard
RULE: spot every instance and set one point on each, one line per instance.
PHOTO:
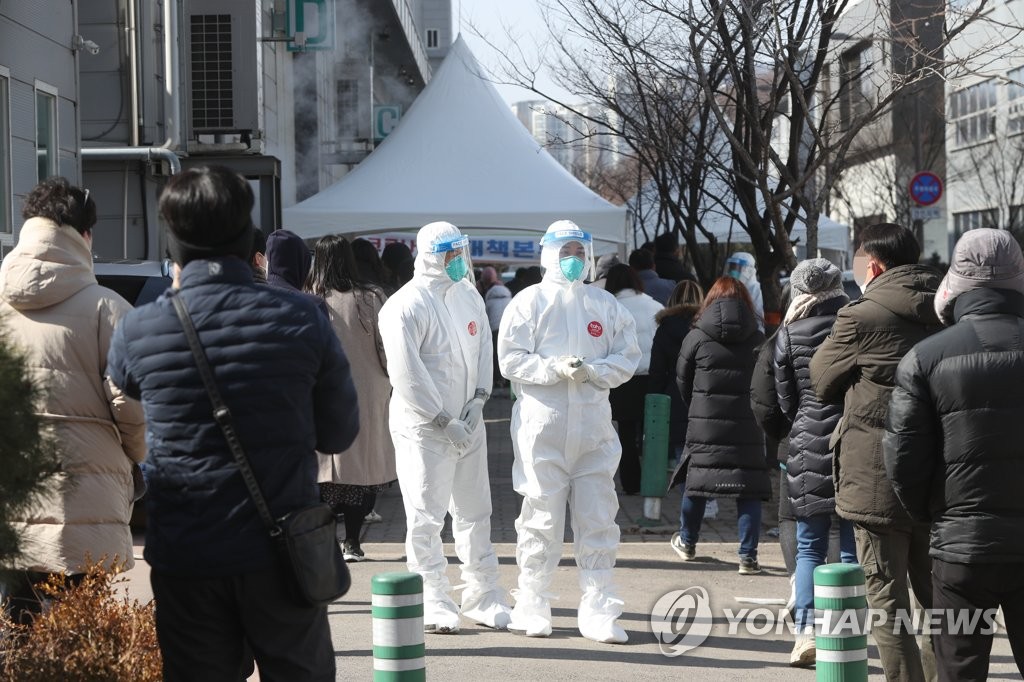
(841, 623)
(398, 651)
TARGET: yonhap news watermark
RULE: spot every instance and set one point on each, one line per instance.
(682, 620)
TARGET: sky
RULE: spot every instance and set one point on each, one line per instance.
(493, 19)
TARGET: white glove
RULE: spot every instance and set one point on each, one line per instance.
(458, 431)
(473, 413)
(572, 368)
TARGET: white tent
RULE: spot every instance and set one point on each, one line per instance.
(460, 155)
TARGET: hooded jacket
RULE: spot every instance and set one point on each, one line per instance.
(954, 429)
(856, 366)
(56, 313)
(809, 464)
(673, 325)
(288, 265)
(724, 445)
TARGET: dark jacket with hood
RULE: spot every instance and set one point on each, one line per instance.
(673, 325)
(956, 422)
(856, 366)
(725, 455)
(288, 264)
(809, 464)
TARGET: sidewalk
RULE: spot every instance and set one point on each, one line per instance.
(647, 569)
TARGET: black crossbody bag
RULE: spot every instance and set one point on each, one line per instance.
(306, 537)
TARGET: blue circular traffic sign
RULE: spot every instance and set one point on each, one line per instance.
(925, 188)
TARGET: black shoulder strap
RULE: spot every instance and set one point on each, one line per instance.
(222, 415)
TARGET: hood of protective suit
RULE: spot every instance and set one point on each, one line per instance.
(430, 266)
(728, 320)
(50, 264)
(747, 267)
(550, 251)
(288, 259)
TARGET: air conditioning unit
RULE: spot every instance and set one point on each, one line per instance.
(220, 66)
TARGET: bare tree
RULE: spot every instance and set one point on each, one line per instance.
(756, 92)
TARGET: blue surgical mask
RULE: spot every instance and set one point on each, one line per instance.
(457, 268)
(572, 267)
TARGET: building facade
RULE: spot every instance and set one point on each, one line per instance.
(291, 93)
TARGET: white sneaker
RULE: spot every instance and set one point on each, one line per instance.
(711, 510)
(487, 607)
(373, 517)
(597, 618)
(440, 617)
(531, 615)
(805, 652)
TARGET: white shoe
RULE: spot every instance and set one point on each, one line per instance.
(531, 615)
(440, 617)
(805, 652)
(488, 607)
(373, 517)
(597, 618)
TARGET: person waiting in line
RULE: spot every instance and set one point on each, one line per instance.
(288, 264)
(368, 263)
(398, 266)
(856, 366)
(496, 299)
(627, 400)
(642, 263)
(564, 344)
(438, 346)
(54, 312)
(215, 570)
(724, 455)
(818, 295)
(952, 450)
(258, 256)
(350, 480)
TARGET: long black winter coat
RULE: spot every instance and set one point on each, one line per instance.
(673, 326)
(953, 442)
(809, 465)
(724, 444)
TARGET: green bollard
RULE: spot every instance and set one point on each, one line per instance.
(841, 638)
(654, 471)
(397, 606)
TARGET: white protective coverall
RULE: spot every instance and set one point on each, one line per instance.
(564, 443)
(742, 266)
(438, 346)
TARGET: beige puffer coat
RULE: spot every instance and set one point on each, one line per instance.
(52, 308)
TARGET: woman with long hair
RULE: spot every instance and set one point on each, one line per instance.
(369, 267)
(627, 400)
(724, 454)
(350, 481)
(674, 323)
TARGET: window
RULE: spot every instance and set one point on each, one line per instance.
(346, 104)
(5, 152)
(856, 91)
(972, 220)
(46, 131)
(433, 38)
(973, 111)
(1015, 95)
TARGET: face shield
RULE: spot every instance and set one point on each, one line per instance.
(457, 262)
(741, 266)
(568, 251)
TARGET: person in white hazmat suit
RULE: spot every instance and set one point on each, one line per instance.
(564, 344)
(438, 346)
(742, 266)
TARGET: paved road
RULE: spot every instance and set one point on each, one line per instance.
(647, 569)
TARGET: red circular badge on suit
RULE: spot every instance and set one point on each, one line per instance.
(595, 329)
(472, 328)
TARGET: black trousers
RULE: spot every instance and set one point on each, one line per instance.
(976, 587)
(210, 629)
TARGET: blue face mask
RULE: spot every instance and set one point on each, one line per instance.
(457, 268)
(572, 268)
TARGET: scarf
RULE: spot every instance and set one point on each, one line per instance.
(802, 304)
